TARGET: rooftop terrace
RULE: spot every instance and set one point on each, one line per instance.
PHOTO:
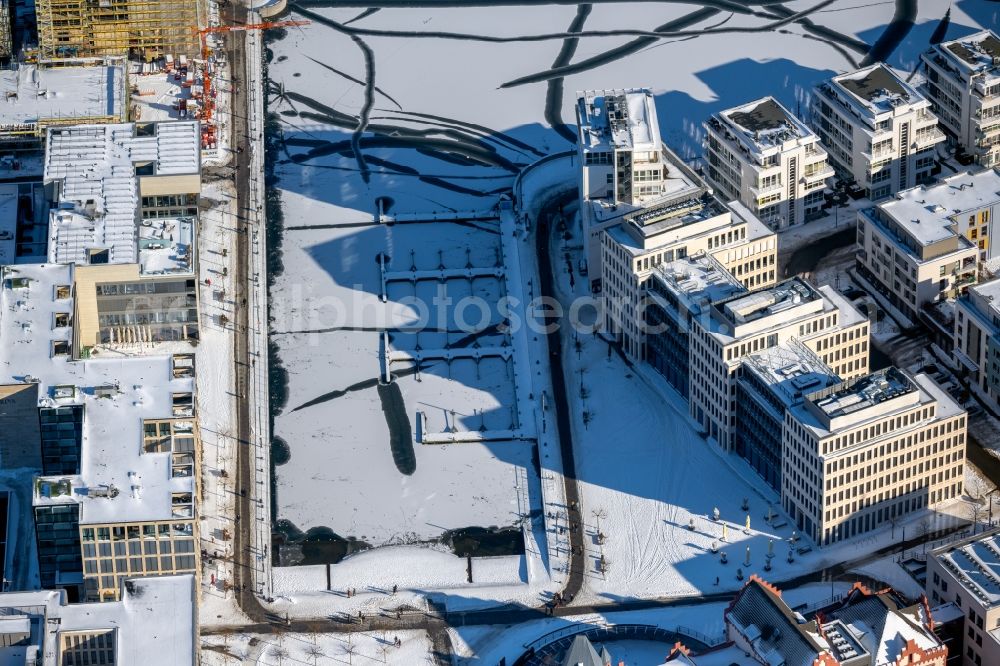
(618, 119)
(861, 393)
(876, 89)
(764, 124)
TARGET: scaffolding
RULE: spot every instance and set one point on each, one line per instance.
(6, 40)
(140, 29)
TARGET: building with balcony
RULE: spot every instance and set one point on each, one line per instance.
(963, 84)
(877, 129)
(977, 338)
(766, 158)
(624, 164)
(118, 442)
(820, 319)
(637, 242)
(924, 246)
(869, 451)
(154, 624)
(966, 573)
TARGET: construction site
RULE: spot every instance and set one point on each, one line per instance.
(144, 30)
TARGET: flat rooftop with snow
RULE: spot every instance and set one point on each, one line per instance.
(115, 187)
(698, 278)
(975, 562)
(928, 213)
(84, 90)
(624, 119)
(790, 370)
(116, 393)
(875, 90)
(153, 624)
(763, 124)
(979, 52)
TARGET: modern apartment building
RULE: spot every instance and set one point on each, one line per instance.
(636, 243)
(963, 84)
(766, 158)
(140, 29)
(966, 573)
(878, 130)
(624, 164)
(869, 451)
(977, 338)
(821, 319)
(118, 443)
(924, 246)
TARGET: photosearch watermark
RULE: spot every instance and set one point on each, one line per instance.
(301, 311)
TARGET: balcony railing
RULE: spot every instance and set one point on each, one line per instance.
(819, 174)
(765, 190)
(928, 137)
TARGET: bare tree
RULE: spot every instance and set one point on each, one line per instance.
(280, 652)
(315, 651)
(349, 649)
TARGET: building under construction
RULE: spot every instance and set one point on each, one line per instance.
(141, 29)
(36, 96)
(6, 37)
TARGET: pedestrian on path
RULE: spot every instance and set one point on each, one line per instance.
(394, 588)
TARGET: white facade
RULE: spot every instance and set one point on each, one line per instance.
(915, 249)
(637, 243)
(624, 164)
(878, 130)
(977, 337)
(866, 452)
(963, 84)
(821, 319)
(766, 158)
